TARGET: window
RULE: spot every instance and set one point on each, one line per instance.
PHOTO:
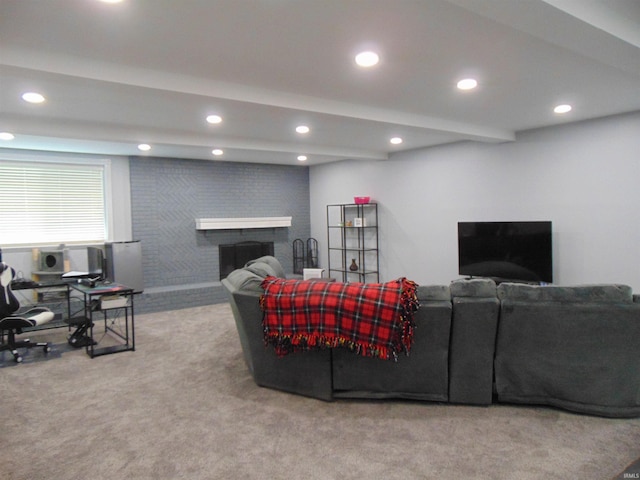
(52, 203)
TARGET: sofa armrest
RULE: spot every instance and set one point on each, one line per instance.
(304, 373)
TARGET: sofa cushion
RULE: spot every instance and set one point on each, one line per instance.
(243, 279)
(609, 293)
(273, 262)
(475, 287)
(261, 269)
(433, 292)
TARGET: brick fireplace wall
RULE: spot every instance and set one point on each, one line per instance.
(180, 264)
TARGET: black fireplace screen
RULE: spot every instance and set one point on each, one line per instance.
(236, 255)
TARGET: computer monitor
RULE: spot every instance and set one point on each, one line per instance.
(96, 262)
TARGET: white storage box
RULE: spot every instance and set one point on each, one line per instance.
(113, 301)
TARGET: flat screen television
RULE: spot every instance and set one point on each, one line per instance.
(518, 251)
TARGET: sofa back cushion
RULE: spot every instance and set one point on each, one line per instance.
(475, 287)
(609, 293)
(273, 262)
(245, 280)
(261, 269)
(431, 293)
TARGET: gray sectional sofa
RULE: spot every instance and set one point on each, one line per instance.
(576, 348)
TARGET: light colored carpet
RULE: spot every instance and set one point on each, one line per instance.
(183, 406)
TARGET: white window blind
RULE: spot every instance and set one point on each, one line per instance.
(51, 203)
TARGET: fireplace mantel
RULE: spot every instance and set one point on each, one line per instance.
(241, 223)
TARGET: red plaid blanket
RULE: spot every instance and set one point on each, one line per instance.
(371, 319)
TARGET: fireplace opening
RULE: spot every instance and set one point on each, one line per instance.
(236, 255)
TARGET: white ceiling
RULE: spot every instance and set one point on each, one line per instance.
(151, 70)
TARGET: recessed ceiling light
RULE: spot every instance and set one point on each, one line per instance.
(467, 84)
(396, 140)
(367, 59)
(302, 129)
(33, 97)
(562, 108)
(6, 136)
(217, 152)
(214, 119)
(302, 158)
(144, 147)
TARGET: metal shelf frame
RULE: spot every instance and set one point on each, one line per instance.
(350, 244)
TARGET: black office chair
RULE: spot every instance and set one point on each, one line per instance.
(12, 322)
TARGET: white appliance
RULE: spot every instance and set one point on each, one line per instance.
(124, 264)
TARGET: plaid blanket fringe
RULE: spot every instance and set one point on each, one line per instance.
(372, 320)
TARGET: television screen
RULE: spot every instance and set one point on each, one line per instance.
(518, 251)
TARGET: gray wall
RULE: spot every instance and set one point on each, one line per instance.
(585, 177)
(180, 263)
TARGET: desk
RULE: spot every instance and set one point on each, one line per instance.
(117, 314)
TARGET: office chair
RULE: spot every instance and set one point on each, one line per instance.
(12, 322)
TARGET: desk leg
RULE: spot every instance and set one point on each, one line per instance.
(133, 326)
